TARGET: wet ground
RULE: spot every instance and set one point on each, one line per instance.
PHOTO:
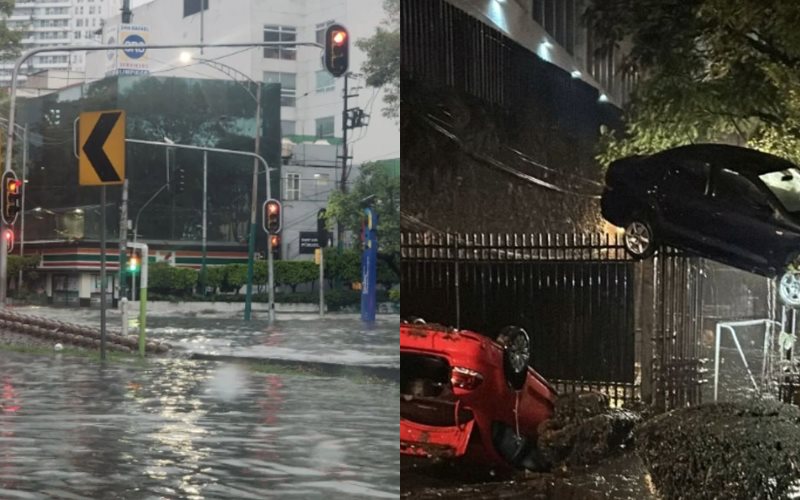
(620, 477)
(180, 428)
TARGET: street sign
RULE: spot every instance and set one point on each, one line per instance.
(308, 242)
(102, 148)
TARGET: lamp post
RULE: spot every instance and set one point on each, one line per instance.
(186, 58)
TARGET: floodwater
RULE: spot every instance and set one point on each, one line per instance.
(180, 428)
(299, 337)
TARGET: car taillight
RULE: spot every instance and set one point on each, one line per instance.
(464, 378)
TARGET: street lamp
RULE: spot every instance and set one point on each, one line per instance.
(187, 57)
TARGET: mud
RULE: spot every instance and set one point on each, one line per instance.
(725, 450)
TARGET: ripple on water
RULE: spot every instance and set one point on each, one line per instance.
(164, 429)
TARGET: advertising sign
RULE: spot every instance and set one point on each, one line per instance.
(133, 59)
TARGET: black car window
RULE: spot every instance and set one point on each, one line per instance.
(736, 190)
(687, 177)
(785, 185)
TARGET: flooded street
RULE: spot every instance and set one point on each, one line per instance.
(180, 428)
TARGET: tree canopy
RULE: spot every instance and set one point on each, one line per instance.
(382, 66)
(374, 179)
(709, 71)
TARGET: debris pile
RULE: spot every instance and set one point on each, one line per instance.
(584, 430)
(72, 334)
(747, 449)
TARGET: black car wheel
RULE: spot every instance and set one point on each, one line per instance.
(639, 239)
(516, 355)
(789, 288)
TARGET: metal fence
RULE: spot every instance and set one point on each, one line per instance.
(597, 319)
(677, 325)
(572, 293)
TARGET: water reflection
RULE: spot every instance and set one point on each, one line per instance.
(187, 429)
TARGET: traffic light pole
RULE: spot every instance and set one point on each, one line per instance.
(204, 271)
(123, 257)
(251, 247)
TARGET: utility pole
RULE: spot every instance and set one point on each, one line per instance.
(351, 118)
(343, 180)
(126, 11)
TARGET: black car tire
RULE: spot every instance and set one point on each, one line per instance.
(639, 238)
(789, 288)
(516, 355)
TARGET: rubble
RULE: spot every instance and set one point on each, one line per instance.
(747, 449)
(584, 430)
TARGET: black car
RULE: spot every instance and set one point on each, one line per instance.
(731, 204)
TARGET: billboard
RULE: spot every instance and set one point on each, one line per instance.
(133, 59)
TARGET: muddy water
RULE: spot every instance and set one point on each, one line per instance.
(178, 428)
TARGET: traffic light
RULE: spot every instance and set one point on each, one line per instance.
(12, 197)
(272, 216)
(275, 240)
(8, 238)
(323, 236)
(133, 264)
(337, 50)
(180, 180)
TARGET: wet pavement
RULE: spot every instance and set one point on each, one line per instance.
(181, 428)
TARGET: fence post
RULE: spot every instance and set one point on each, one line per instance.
(458, 284)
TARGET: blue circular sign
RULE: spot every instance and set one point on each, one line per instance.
(134, 51)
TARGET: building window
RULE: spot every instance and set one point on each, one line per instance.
(325, 81)
(191, 7)
(287, 127)
(320, 31)
(288, 85)
(322, 181)
(292, 187)
(275, 33)
(325, 126)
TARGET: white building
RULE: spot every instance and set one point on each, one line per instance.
(57, 22)
(312, 99)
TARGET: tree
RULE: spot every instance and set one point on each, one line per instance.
(382, 66)
(295, 272)
(375, 179)
(9, 39)
(710, 71)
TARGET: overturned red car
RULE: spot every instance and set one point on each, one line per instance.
(463, 394)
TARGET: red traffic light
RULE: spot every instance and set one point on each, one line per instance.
(272, 216)
(339, 37)
(8, 238)
(12, 197)
(337, 50)
(275, 240)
